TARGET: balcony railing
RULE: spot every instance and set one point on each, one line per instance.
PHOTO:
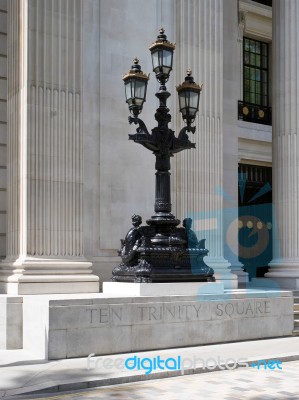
(254, 113)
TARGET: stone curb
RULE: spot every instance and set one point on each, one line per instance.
(51, 388)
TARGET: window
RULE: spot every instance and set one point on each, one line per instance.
(255, 72)
(255, 104)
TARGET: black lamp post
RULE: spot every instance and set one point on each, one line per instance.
(161, 251)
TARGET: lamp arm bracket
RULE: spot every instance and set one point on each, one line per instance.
(142, 129)
(183, 132)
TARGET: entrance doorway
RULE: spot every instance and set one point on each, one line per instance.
(255, 218)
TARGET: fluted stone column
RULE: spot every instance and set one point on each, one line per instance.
(199, 172)
(285, 263)
(45, 147)
(232, 89)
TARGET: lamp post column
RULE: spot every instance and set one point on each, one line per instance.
(162, 197)
(162, 193)
(162, 50)
(204, 167)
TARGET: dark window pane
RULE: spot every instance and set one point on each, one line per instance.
(264, 63)
(247, 72)
(258, 99)
(252, 98)
(247, 85)
(265, 49)
(265, 76)
(252, 59)
(246, 44)
(258, 60)
(246, 57)
(265, 2)
(258, 47)
(252, 86)
(247, 97)
(258, 87)
(252, 73)
(252, 46)
(258, 74)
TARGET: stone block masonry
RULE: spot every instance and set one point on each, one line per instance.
(100, 324)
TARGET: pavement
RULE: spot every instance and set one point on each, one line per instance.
(237, 384)
(24, 376)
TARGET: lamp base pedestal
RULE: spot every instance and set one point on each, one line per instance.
(162, 252)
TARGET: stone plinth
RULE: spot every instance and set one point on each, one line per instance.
(11, 322)
(65, 326)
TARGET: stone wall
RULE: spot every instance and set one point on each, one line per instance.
(62, 328)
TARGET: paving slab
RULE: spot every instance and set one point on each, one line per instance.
(240, 383)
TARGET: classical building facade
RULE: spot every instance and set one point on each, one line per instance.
(70, 179)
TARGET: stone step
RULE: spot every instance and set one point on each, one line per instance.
(296, 312)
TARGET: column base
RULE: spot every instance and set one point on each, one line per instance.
(243, 277)
(285, 283)
(237, 269)
(285, 272)
(46, 276)
(222, 272)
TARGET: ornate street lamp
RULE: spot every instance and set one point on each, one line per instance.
(135, 88)
(189, 93)
(161, 251)
(162, 57)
